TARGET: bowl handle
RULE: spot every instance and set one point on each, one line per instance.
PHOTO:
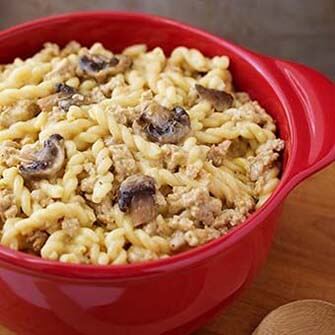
(312, 98)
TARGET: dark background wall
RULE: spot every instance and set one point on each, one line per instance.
(301, 30)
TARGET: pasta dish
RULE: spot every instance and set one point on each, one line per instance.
(120, 158)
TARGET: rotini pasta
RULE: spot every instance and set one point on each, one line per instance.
(10, 95)
(103, 163)
(25, 75)
(13, 179)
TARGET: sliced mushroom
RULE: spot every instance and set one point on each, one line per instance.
(49, 160)
(137, 196)
(94, 64)
(165, 126)
(65, 89)
(221, 100)
(100, 67)
(65, 97)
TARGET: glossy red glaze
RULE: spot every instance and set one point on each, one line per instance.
(175, 295)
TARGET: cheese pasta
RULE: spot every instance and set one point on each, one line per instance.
(120, 158)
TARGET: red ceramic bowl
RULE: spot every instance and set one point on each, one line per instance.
(175, 295)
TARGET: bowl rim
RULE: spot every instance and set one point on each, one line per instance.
(41, 267)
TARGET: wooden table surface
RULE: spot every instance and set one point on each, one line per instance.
(301, 263)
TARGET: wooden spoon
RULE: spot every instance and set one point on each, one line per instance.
(303, 317)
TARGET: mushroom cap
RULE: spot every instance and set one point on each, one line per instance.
(49, 160)
(93, 63)
(65, 89)
(136, 196)
(221, 100)
(65, 97)
(69, 96)
(100, 67)
(165, 126)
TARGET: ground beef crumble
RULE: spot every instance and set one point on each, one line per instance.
(218, 153)
(123, 161)
(36, 240)
(202, 207)
(103, 212)
(174, 157)
(266, 154)
(9, 153)
(8, 208)
(71, 226)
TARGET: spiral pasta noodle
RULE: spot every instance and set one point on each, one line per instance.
(70, 180)
(23, 128)
(230, 131)
(138, 237)
(115, 241)
(103, 162)
(267, 185)
(46, 215)
(25, 75)
(13, 179)
(83, 247)
(10, 95)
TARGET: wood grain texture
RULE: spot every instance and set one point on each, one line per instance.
(302, 317)
(301, 264)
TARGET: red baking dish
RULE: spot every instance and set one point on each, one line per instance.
(178, 294)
